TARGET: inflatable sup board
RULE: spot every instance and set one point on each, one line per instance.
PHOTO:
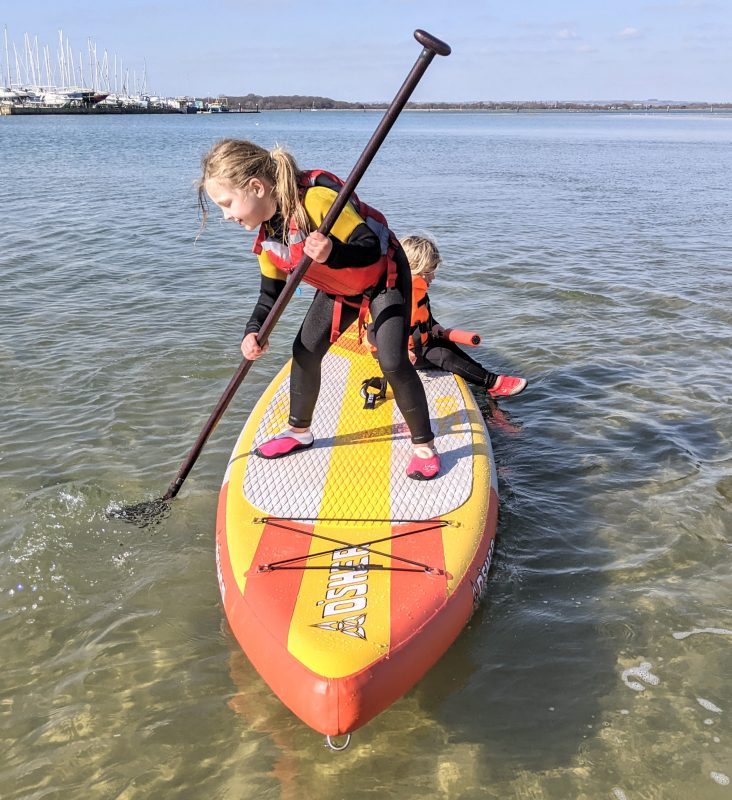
(344, 580)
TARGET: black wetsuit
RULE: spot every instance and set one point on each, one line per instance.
(391, 311)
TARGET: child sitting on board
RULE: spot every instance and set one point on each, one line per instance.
(429, 345)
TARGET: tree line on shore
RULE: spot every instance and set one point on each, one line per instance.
(251, 102)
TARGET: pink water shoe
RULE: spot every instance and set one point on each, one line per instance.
(507, 386)
(425, 464)
(284, 443)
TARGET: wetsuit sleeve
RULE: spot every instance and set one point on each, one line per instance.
(271, 285)
(354, 243)
(431, 321)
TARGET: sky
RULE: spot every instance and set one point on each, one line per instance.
(509, 50)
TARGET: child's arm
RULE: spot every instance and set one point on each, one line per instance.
(433, 325)
(351, 242)
(269, 290)
(272, 282)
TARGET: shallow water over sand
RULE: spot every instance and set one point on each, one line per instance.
(594, 254)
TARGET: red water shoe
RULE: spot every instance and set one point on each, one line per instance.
(507, 386)
(425, 464)
(284, 443)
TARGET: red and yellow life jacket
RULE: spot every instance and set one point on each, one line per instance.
(345, 282)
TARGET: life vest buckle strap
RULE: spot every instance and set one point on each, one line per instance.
(391, 265)
(261, 236)
(335, 327)
(363, 312)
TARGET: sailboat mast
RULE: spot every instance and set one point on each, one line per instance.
(37, 61)
(25, 57)
(61, 59)
(17, 66)
(96, 69)
(105, 72)
(49, 69)
(70, 62)
(7, 60)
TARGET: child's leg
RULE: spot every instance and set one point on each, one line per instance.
(308, 350)
(447, 355)
(311, 344)
(391, 312)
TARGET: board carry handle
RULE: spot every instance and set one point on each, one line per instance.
(432, 46)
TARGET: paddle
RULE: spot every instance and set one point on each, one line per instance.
(150, 511)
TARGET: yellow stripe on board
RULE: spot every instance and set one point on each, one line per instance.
(341, 621)
(242, 541)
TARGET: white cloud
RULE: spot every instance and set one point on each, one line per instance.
(629, 33)
(567, 33)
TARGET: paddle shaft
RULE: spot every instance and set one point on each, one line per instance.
(431, 48)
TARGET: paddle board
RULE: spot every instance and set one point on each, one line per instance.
(344, 580)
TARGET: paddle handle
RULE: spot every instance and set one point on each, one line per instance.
(431, 46)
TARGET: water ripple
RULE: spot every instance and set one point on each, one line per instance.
(592, 253)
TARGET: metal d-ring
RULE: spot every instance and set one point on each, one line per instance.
(337, 748)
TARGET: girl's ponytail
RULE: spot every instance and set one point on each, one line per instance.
(287, 190)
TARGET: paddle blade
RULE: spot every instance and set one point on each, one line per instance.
(149, 512)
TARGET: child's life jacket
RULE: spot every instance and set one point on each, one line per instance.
(346, 283)
(422, 322)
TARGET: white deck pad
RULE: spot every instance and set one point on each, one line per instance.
(293, 486)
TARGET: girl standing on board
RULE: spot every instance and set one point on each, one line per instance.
(428, 347)
(359, 268)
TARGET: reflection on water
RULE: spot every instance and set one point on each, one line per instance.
(593, 255)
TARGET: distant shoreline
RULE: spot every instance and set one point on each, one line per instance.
(654, 111)
(313, 103)
(702, 110)
(255, 104)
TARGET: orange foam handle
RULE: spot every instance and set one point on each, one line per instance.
(461, 337)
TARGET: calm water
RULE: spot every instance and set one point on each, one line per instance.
(594, 253)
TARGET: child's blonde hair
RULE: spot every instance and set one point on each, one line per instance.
(422, 254)
(238, 161)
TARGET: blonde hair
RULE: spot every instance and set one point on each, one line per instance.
(422, 254)
(238, 161)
